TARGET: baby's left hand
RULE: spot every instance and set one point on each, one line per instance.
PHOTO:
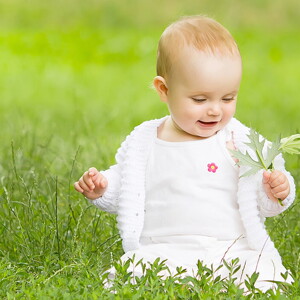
(276, 185)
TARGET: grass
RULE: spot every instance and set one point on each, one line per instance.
(68, 99)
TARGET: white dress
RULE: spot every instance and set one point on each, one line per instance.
(191, 212)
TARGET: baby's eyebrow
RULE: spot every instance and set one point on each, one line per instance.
(233, 92)
(202, 93)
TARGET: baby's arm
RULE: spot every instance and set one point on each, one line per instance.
(105, 193)
(267, 207)
(103, 188)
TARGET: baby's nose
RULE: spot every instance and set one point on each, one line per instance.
(214, 110)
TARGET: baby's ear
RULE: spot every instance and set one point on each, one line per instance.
(161, 87)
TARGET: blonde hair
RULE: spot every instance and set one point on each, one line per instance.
(200, 32)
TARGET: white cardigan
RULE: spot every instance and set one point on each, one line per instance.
(125, 194)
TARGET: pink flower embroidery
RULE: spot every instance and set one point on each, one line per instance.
(212, 167)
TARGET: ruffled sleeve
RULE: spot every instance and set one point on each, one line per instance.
(109, 201)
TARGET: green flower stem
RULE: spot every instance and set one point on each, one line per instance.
(261, 160)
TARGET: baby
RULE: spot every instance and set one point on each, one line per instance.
(177, 192)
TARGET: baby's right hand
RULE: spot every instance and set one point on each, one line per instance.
(92, 184)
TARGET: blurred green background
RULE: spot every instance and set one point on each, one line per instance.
(75, 79)
(79, 72)
(68, 60)
(99, 14)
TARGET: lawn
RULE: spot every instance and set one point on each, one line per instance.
(70, 93)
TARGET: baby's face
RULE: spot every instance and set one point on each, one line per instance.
(202, 92)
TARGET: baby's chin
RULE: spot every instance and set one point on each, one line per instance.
(202, 135)
(208, 135)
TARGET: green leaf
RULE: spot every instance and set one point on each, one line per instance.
(247, 160)
(272, 152)
(291, 144)
(251, 172)
(257, 145)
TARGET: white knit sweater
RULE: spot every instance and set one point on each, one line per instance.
(125, 194)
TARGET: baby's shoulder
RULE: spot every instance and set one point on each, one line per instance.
(237, 126)
(150, 123)
(144, 131)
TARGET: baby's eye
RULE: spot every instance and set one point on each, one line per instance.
(199, 99)
(228, 99)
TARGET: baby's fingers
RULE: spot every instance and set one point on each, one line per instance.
(280, 188)
(77, 187)
(266, 177)
(93, 171)
(281, 195)
(88, 178)
(277, 178)
(86, 184)
(281, 191)
(100, 183)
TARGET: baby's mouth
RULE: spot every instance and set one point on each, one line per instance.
(208, 124)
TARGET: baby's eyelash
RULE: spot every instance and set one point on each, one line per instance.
(199, 100)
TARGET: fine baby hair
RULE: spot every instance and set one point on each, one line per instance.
(200, 32)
